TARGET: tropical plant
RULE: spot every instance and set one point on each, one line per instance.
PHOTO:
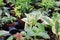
(36, 21)
(1, 2)
(35, 31)
(32, 27)
(8, 19)
(53, 22)
(47, 4)
(22, 6)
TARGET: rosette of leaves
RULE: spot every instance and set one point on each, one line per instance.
(5, 16)
(47, 4)
(22, 6)
(8, 19)
(3, 10)
(35, 31)
(32, 17)
(32, 27)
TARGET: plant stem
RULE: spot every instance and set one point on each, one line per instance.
(34, 37)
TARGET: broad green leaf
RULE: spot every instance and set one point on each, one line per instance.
(30, 32)
(36, 13)
(41, 27)
(27, 27)
(43, 34)
(10, 38)
(35, 29)
(31, 20)
(57, 27)
(1, 2)
(2, 32)
(23, 33)
(53, 29)
(47, 21)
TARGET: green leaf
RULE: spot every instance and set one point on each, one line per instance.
(23, 33)
(41, 27)
(36, 13)
(54, 17)
(30, 32)
(35, 29)
(47, 21)
(1, 2)
(27, 27)
(2, 32)
(43, 34)
(10, 38)
(48, 4)
(57, 27)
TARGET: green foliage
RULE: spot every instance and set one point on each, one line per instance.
(32, 17)
(56, 19)
(10, 38)
(35, 31)
(1, 2)
(32, 27)
(2, 32)
(22, 6)
(5, 17)
(47, 3)
(53, 22)
(8, 19)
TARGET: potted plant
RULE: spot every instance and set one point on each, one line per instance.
(9, 21)
(33, 28)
